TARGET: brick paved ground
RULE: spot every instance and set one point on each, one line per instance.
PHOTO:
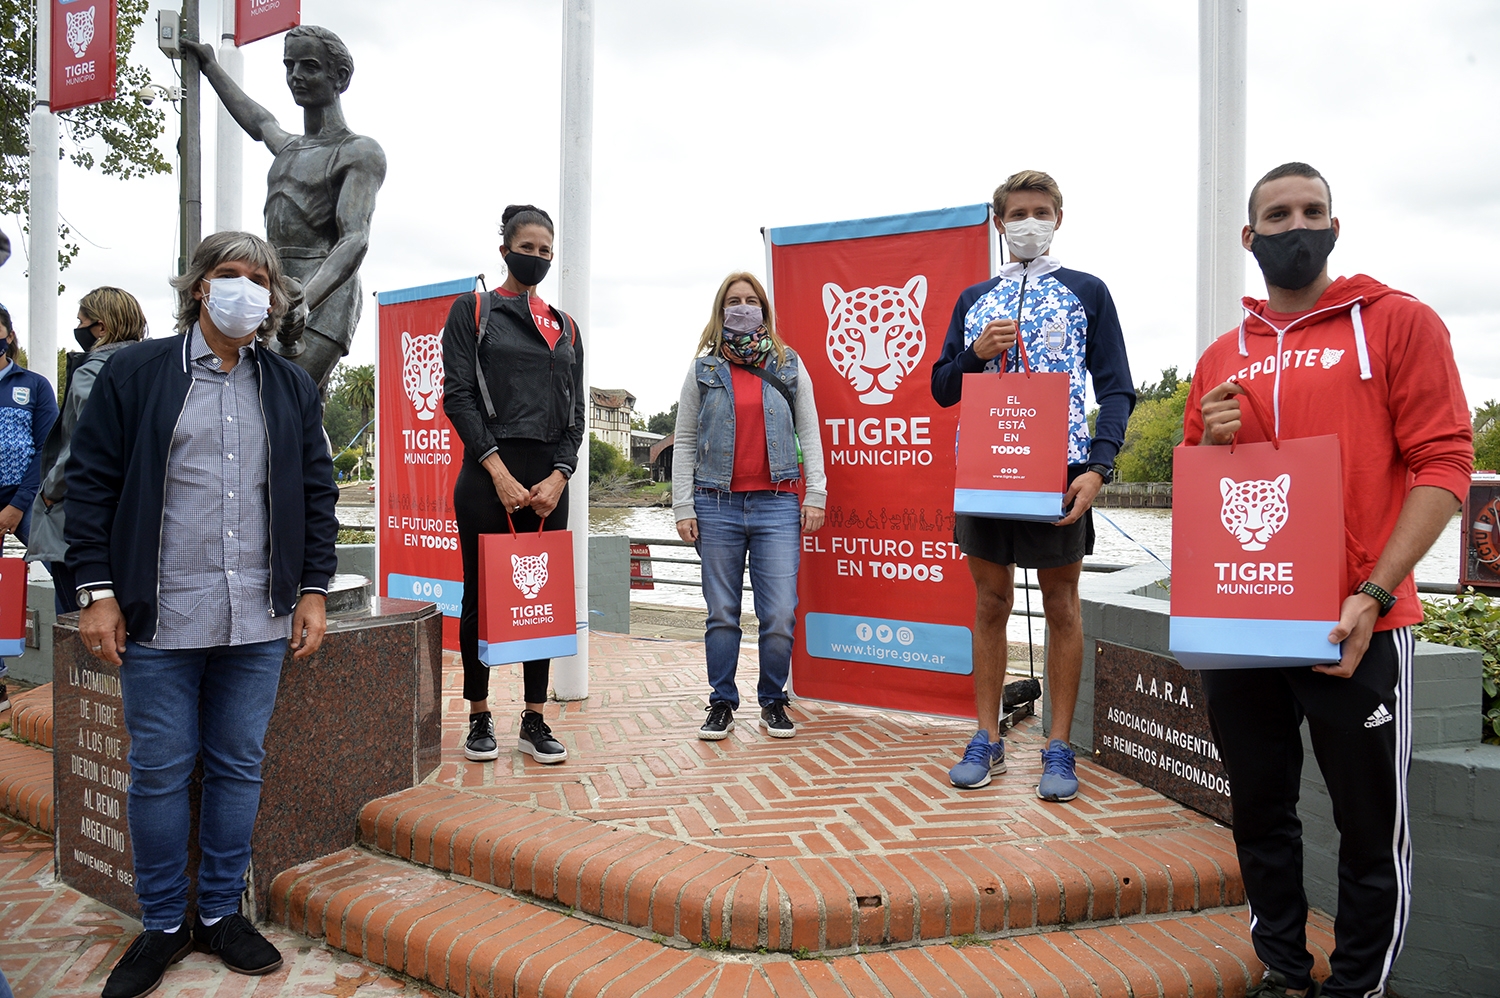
(56, 943)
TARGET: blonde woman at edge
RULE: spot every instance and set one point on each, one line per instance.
(746, 405)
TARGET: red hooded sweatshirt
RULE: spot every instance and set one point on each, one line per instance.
(1373, 365)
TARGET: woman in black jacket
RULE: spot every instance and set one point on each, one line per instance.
(521, 431)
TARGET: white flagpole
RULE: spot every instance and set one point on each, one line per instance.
(1221, 166)
(570, 676)
(229, 140)
(41, 333)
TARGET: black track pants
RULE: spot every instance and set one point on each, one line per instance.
(478, 510)
(1361, 736)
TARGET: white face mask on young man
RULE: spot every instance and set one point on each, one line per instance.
(1030, 237)
(237, 305)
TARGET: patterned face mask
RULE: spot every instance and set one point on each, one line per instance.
(749, 347)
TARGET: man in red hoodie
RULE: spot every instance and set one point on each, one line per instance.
(1375, 366)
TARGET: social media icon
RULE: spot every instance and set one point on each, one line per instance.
(416, 588)
(883, 634)
(905, 636)
(427, 589)
(437, 589)
(863, 632)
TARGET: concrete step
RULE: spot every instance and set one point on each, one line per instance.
(30, 716)
(26, 784)
(692, 894)
(473, 939)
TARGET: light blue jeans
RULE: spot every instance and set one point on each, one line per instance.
(767, 526)
(178, 703)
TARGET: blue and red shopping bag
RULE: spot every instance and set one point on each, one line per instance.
(12, 606)
(526, 596)
(1013, 445)
(1257, 552)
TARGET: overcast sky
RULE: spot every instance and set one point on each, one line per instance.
(714, 118)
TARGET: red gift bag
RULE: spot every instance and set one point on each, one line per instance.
(12, 606)
(1013, 445)
(1257, 552)
(526, 596)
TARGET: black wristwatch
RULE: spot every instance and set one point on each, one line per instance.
(1104, 471)
(1385, 599)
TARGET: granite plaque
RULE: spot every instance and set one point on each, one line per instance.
(1151, 724)
(358, 720)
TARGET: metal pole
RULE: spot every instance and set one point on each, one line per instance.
(41, 335)
(570, 676)
(1221, 166)
(191, 148)
(229, 140)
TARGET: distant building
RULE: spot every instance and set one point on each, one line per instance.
(610, 411)
(660, 458)
(641, 443)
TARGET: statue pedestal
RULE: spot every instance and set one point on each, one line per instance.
(358, 720)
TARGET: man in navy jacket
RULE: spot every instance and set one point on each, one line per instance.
(1065, 321)
(201, 529)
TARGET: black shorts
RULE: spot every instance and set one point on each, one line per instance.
(1025, 543)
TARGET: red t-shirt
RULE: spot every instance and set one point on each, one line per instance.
(546, 323)
(752, 466)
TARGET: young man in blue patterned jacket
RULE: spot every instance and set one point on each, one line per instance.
(1066, 320)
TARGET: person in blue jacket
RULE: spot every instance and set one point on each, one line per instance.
(28, 408)
(1067, 322)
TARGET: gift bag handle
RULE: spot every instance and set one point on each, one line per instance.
(1021, 351)
(1261, 416)
(512, 523)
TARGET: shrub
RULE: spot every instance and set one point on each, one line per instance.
(605, 460)
(1470, 621)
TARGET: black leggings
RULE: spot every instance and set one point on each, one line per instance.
(479, 511)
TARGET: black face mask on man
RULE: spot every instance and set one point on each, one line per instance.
(526, 269)
(1293, 259)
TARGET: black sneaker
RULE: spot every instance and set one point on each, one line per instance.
(480, 745)
(235, 941)
(4, 698)
(775, 721)
(146, 961)
(720, 722)
(536, 739)
(1273, 985)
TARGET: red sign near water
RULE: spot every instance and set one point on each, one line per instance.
(83, 53)
(420, 454)
(257, 19)
(885, 601)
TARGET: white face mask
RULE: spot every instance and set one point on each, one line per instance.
(1030, 237)
(237, 305)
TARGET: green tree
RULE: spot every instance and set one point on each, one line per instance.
(1155, 428)
(1487, 436)
(356, 388)
(604, 459)
(118, 136)
(663, 422)
(340, 420)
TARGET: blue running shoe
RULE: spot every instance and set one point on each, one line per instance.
(982, 759)
(1059, 779)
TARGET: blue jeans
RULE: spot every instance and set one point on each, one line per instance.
(767, 525)
(178, 703)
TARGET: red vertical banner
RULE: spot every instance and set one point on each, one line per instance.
(420, 454)
(885, 602)
(257, 19)
(83, 52)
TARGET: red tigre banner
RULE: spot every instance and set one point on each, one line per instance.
(257, 19)
(885, 602)
(420, 454)
(83, 53)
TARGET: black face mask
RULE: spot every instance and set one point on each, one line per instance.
(1293, 259)
(85, 337)
(527, 270)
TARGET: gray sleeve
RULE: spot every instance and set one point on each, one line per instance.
(54, 484)
(809, 435)
(685, 446)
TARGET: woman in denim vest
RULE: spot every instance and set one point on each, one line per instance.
(745, 413)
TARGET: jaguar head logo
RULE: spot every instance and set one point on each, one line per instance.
(529, 573)
(1254, 511)
(875, 335)
(80, 27)
(422, 372)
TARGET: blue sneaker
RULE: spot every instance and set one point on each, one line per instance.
(1059, 779)
(982, 759)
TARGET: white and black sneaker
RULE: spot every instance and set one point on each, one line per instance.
(720, 722)
(536, 740)
(775, 721)
(4, 698)
(480, 745)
